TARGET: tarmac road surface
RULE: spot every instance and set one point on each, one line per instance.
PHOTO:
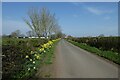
(73, 62)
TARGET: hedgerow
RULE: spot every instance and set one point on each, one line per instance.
(103, 43)
(22, 57)
(107, 47)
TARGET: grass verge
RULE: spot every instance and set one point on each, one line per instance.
(45, 70)
(50, 54)
(112, 56)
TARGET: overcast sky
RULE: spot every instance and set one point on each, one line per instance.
(76, 19)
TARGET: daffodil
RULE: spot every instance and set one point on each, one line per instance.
(34, 67)
(45, 45)
(30, 59)
(50, 42)
(42, 49)
(35, 54)
(53, 40)
(33, 62)
(27, 56)
(38, 57)
(28, 69)
(31, 52)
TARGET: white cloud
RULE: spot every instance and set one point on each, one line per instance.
(98, 11)
(93, 10)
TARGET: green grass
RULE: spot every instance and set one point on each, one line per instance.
(50, 54)
(110, 55)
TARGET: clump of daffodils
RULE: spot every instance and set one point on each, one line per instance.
(47, 46)
(43, 49)
(36, 55)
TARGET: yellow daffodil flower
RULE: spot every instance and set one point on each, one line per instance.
(27, 56)
(28, 69)
(33, 62)
(34, 67)
(30, 59)
(38, 57)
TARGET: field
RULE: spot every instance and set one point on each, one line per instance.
(107, 47)
(22, 57)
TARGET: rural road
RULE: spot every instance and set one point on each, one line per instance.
(73, 62)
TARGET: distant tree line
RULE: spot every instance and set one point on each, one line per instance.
(16, 33)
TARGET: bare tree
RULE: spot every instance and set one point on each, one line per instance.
(57, 29)
(29, 33)
(53, 27)
(42, 22)
(16, 33)
(34, 22)
(101, 35)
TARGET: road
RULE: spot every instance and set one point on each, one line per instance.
(73, 62)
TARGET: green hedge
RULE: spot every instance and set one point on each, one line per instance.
(103, 43)
(14, 52)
